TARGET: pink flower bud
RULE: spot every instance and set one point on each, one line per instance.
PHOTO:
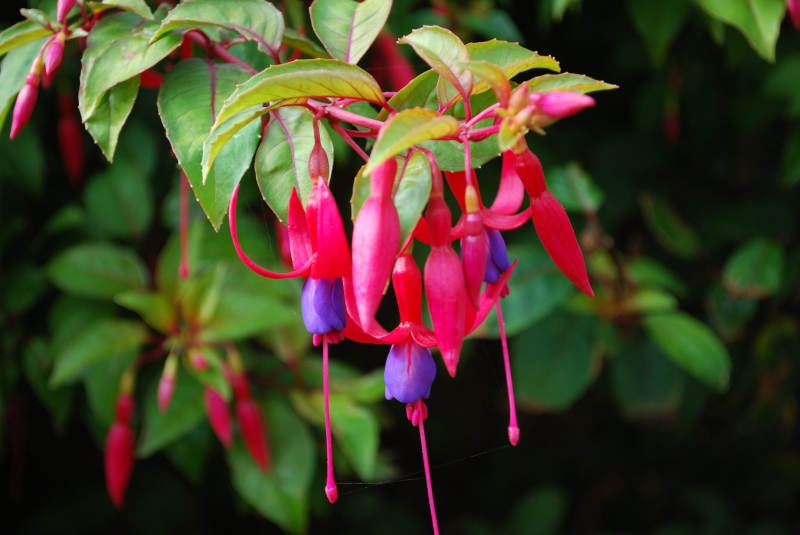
(445, 290)
(54, 55)
(70, 139)
(529, 169)
(26, 101)
(64, 7)
(556, 233)
(150, 79)
(166, 387)
(794, 12)
(219, 416)
(119, 451)
(560, 104)
(253, 432)
(376, 240)
(241, 388)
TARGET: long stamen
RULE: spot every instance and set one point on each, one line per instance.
(427, 470)
(184, 209)
(513, 429)
(330, 485)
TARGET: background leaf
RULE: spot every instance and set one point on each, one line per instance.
(758, 20)
(658, 23)
(347, 28)
(755, 270)
(97, 271)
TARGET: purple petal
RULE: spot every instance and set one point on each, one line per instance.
(409, 373)
(497, 249)
(315, 324)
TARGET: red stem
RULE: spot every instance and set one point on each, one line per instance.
(428, 475)
(337, 126)
(330, 484)
(513, 428)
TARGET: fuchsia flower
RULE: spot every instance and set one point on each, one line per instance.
(70, 139)
(53, 57)
(120, 450)
(26, 99)
(219, 416)
(250, 424)
(793, 7)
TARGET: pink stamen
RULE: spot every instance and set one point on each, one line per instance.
(330, 485)
(420, 413)
(513, 429)
(184, 268)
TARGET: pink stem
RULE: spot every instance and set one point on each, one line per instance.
(301, 272)
(184, 210)
(428, 475)
(485, 114)
(330, 485)
(344, 115)
(337, 126)
(513, 428)
(482, 133)
(218, 50)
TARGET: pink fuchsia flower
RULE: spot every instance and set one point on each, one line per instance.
(70, 139)
(219, 416)
(53, 57)
(249, 419)
(793, 7)
(473, 247)
(376, 242)
(120, 451)
(550, 107)
(26, 100)
(409, 372)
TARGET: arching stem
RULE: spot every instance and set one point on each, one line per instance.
(427, 472)
(513, 428)
(330, 484)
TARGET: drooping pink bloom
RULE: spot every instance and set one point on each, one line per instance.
(53, 57)
(219, 416)
(120, 451)
(561, 104)
(70, 139)
(253, 432)
(793, 7)
(26, 101)
(63, 9)
(376, 241)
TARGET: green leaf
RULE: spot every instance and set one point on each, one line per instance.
(282, 159)
(648, 301)
(188, 102)
(658, 23)
(113, 109)
(407, 129)
(575, 189)
(154, 309)
(758, 20)
(22, 159)
(201, 295)
(20, 287)
(668, 228)
(539, 513)
(446, 54)
(357, 433)
(97, 271)
(248, 305)
(190, 453)
(305, 45)
(186, 410)
(255, 20)
(14, 70)
(418, 93)
(646, 383)
(491, 75)
(20, 34)
(70, 314)
(692, 345)
(37, 364)
(495, 23)
(412, 193)
(305, 78)
(95, 343)
(119, 202)
(281, 494)
(647, 272)
(510, 58)
(102, 381)
(575, 83)
(537, 289)
(134, 6)
(554, 362)
(727, 314)
(118, 49)
(347, 28)
(755, 270)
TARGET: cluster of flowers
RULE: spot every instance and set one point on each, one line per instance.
(345, 283)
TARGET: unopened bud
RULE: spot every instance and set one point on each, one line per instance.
(219, 416)
(519, 99)
(562, 104)
(64, 7)
(26, 101)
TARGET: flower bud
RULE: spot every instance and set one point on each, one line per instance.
(64, 7)
(26, 101)
(556, 233)
(54, 55)
(409, 373)
(445, 290)
(322, 305)
(253, 432)
(560, 104)
(70, 139)
(166, 385)
(150, 79)
(794, 12)
(519, 99)
(219, 416)
(119, 459)
(376, 240)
